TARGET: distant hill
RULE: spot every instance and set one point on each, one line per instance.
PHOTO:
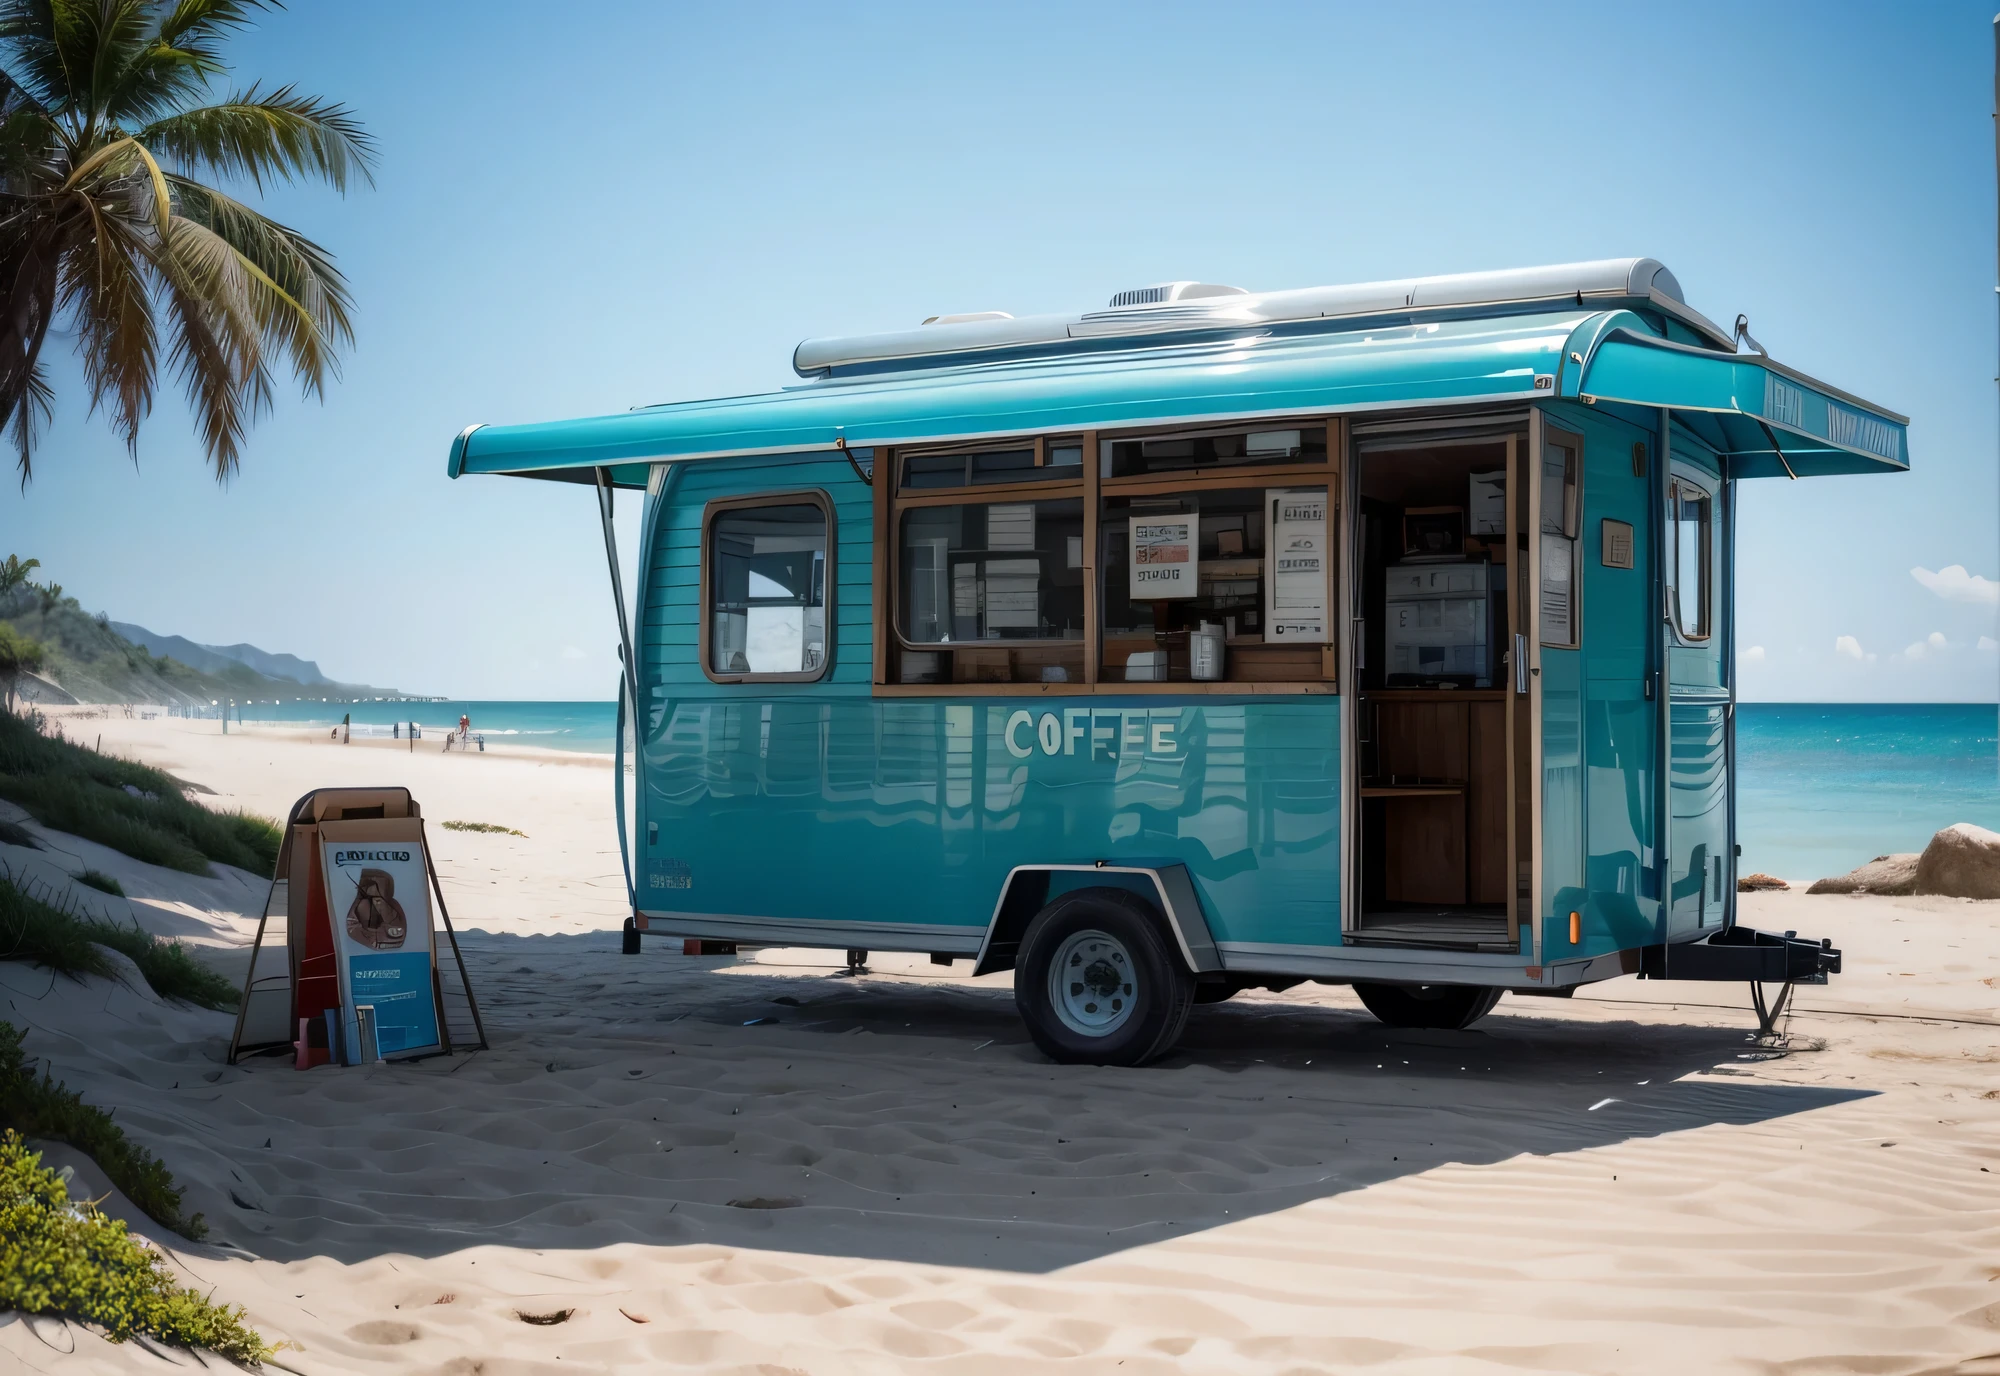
(217, 659)
(92, 660)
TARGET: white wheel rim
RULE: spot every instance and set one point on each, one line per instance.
(1092, 983)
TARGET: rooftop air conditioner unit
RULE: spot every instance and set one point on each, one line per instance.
(1162, 293)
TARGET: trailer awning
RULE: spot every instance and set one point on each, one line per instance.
(1771, 421)
(1769, 416)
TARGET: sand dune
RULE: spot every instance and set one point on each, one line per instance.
(756, 1165)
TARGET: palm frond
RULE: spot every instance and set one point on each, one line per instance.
(298, 296)
(217, 345)
(180, 58)
(32, 253)
(119, 161)
(277, 136)
(34, 58)
(36, 405)
(104, 290)
(26, 135)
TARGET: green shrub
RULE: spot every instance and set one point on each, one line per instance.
(69, 788)
(102, 882)
(43, 930)
(67, 1258)
(44, 1107)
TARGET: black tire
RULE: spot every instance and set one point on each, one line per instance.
(1121, 954)
(1447, 1006)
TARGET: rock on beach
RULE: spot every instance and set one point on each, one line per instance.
(1962, 861)
(1888, 874)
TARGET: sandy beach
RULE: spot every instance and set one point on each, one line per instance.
(753, 1164)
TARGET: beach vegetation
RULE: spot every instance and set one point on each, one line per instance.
(38, 927)
(18, 655)
(43, 1106)
(102, 882)
(114, 134)
(133, 809)
(66, 1257)
(485, 828)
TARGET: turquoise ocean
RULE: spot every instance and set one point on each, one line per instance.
(1823, 787)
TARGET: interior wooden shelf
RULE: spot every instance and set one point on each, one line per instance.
(1412, 790)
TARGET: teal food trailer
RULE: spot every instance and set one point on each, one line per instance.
(1376, 635)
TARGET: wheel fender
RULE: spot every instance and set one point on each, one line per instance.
(1025, 892)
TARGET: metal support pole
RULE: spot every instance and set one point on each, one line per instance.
(629, 687)
(604, 510)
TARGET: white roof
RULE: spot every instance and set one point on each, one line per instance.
(1612, 280)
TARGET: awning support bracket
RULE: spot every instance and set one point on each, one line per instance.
(1783, 462)
(628, 691)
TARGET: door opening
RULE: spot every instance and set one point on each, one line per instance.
(1437, 814)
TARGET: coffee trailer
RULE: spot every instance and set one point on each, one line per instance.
(1376, 635)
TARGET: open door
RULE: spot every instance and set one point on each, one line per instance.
(1438, 803)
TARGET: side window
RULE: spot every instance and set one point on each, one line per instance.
(766, 588)
(1562, 523)
(1693, 512)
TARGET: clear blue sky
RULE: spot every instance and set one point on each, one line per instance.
(651, 202)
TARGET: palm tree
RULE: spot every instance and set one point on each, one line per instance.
(15, 572)
(105, 124)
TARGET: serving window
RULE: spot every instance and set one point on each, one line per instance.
(1197, 557)
(1214, 585)
(991, 591)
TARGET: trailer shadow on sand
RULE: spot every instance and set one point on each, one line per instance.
(667, 1100)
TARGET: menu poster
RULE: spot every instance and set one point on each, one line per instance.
(1296, 551)
(378, 897)
(1163, 563)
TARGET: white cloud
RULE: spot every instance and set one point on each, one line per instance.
(1954, 584)
(1987, 642)
(571, 652)
(1934, 641)
(1849, 646)
(1753, 655)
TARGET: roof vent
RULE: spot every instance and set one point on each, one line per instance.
(1164, 292)
(967, 317)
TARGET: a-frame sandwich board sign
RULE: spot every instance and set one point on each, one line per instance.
(282, 993)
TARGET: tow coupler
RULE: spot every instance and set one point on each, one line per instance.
(1746, 954)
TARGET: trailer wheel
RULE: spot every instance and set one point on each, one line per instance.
(1448, 1006)
(1098, 981)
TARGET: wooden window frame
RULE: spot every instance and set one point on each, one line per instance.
(1094, 488)
(804, 496)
